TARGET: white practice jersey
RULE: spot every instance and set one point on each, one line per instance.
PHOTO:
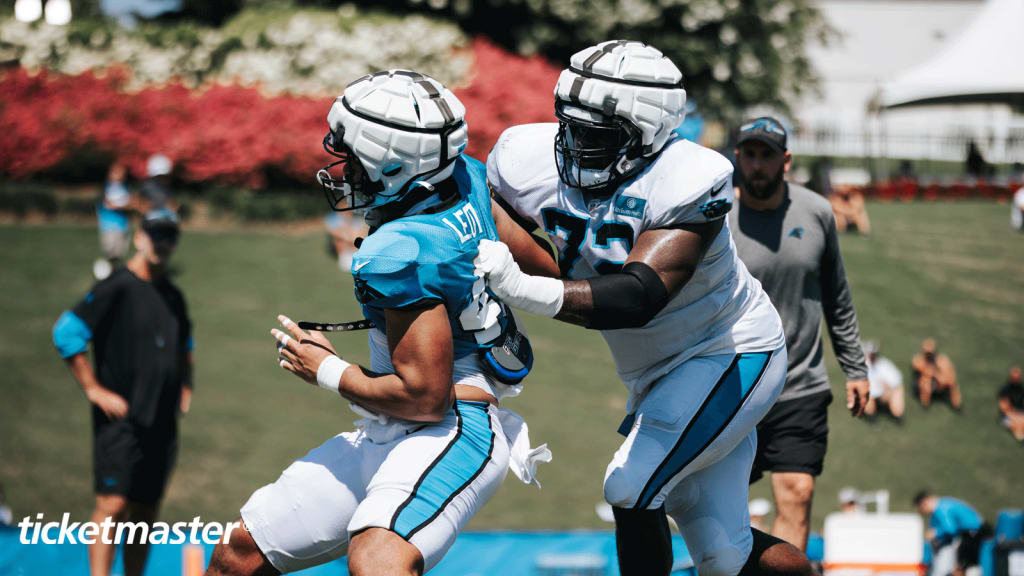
(721, 310)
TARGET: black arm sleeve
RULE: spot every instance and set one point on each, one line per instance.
(629, 299)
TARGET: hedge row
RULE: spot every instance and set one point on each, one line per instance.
(223, 134)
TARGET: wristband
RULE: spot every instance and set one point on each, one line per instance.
(328, 374)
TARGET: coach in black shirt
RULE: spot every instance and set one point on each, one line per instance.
(141, 335)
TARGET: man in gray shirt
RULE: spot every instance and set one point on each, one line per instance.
(786, 236)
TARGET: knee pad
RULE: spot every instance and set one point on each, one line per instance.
(619, 489)
(727, 560)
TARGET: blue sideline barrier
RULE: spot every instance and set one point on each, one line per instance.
(474, 554)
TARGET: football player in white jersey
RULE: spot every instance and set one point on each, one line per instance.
(645, 256)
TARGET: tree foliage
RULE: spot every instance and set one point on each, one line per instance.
(734, 54)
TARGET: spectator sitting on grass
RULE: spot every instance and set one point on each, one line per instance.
(955, 533)
(848, 207)
(934, 373)
(886, 382)
(1011, 404)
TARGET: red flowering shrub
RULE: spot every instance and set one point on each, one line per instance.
(226, 134)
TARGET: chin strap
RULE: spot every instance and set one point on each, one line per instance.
(337, 326)
(446, 191)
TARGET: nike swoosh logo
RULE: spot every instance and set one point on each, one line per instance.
(359, 266)
(717, 191)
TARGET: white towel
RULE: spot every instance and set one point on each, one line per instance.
(523, 459)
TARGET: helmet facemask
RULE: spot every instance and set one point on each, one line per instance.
(630, 98)
(353, 190)
(390, 161)
(594, 151)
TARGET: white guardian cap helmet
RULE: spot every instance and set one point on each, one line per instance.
(617, 105)
(405, 129)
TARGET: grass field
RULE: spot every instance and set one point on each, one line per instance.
(952, 271)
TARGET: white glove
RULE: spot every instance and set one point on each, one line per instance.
(536, 294)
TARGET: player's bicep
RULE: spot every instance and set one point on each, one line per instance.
(530, 252)
(505, 214)
(675, 253)
(422, 351)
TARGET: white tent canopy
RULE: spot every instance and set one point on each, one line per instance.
(983, 65)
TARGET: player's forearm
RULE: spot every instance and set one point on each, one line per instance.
(840, 315)
(391, 395)
(577, 303)
(83, 373)
(187, 370)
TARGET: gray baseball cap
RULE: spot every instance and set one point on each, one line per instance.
(764, 129)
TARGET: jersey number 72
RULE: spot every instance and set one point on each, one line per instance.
(572, 230)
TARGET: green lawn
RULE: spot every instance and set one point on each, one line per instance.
(952, 271)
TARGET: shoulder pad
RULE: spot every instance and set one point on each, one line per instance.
(521, 155)
(686, 171)
(389, 270)
(688, 183)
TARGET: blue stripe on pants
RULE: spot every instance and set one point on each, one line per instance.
(457, 466)
(714, 415)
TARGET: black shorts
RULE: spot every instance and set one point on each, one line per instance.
(132, 461)
(793, 436)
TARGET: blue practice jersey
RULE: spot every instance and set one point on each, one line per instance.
(952, 517)
(429, 257)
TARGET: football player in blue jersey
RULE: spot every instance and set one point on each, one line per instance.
(433, 447)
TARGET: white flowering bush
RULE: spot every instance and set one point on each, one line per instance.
(301, 52)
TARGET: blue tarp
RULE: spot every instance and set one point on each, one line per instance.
(474, 554)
